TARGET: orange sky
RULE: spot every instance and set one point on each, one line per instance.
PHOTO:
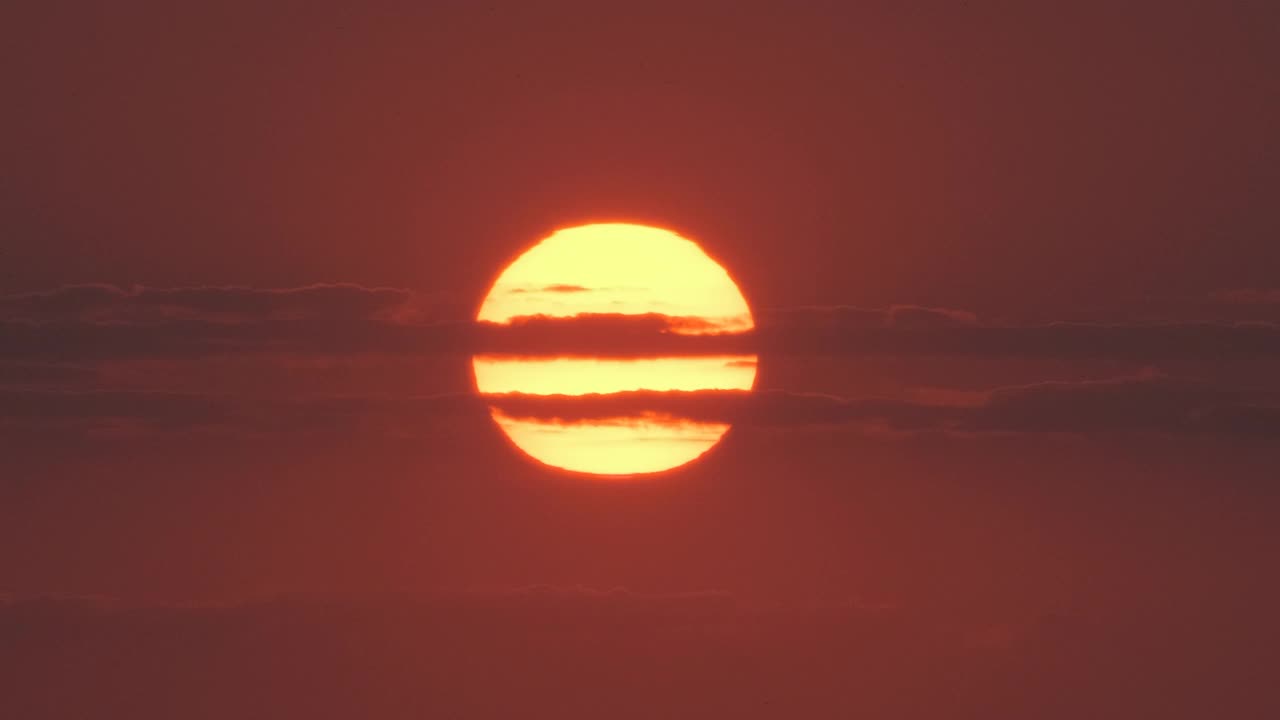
(1010, 450)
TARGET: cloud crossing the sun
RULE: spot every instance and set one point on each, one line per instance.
(88, 323)
(1145, 403)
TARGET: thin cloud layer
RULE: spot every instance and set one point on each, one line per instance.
(162, 410)
(27, 373)
(1148, 403)
(98, 322)
(53, 343)
(1137, 404)
(107, 303)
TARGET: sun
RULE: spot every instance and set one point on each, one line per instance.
(614, 269)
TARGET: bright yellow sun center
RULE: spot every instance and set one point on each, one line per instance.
(615, 269)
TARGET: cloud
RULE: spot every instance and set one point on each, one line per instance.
(936, 333)
(1145, 403)
(136, 410)
(620, 335)
(1248, 296)
(231, 303)
(586, 335)
(1148, 403)
(604, 334)
(565, 289)
(85, 324)
(765, 408)
(69, 300)
(22, 373)
(850, 317)
(559, 288)
(915, 316)
(160, 410)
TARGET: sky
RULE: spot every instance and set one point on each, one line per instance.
(1012, 447)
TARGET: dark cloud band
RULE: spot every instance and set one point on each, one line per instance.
(1137, 404)
(96, 322)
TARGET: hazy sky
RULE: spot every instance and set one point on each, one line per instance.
(1014, 271)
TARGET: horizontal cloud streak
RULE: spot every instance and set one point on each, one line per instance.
(1148, 403)
(87, 323)
(24, 373)
(110, 302)
(1134, 404)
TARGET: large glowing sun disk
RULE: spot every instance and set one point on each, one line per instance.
(615, 269)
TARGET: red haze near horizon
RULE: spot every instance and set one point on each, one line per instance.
(1013, 445)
